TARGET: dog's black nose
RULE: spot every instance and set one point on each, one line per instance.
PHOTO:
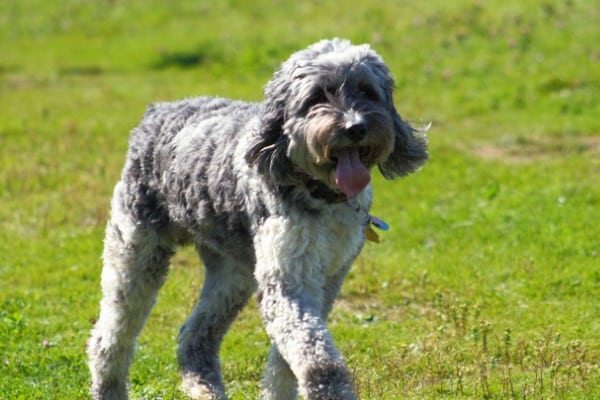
(356, 132)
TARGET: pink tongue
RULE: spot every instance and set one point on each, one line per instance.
(351, 176)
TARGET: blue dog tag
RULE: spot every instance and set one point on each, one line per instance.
(378, 223)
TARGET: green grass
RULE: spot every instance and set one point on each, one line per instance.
(486, 287)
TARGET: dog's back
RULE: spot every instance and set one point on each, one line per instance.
(180, 169)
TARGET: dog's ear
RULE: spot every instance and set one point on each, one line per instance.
(410, 144)
(268, 147)
(410, 149)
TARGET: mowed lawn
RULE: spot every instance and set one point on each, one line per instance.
(487, 285)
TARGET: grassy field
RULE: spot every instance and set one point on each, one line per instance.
(487, 286)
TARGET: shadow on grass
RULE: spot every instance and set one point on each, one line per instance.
(82, 70)
(7, 69)
(202, 55)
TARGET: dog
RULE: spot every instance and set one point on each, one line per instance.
(275, 196)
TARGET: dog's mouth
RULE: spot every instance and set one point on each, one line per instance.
(351, 175)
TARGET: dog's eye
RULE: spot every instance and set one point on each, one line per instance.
(319, 97)
(368, 92)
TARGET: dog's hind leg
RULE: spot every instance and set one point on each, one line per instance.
(135, 266)
(227, 287)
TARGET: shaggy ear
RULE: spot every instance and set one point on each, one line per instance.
(268, 146)
(410, 150)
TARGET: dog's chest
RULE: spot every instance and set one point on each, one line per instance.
(342, 240)
(312, 244)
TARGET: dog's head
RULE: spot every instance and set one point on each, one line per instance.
(329, 114)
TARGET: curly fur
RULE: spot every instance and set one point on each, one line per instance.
(235, 179)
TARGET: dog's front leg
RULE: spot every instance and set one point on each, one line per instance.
(290, 296)
(301, 337)
(279, 382)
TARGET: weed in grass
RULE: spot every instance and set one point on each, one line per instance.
(468, 356)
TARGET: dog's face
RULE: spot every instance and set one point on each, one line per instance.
(329, 115)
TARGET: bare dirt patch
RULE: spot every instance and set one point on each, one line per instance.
(523, 150)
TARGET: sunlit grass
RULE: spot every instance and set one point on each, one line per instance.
(487, 284)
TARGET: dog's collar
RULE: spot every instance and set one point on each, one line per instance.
(319, 190)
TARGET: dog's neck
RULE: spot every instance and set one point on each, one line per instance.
(319, 190)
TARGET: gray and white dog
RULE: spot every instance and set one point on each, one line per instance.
(275, 197)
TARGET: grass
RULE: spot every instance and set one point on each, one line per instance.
(487, 285)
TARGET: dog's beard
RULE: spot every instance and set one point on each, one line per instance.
(321, 148)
